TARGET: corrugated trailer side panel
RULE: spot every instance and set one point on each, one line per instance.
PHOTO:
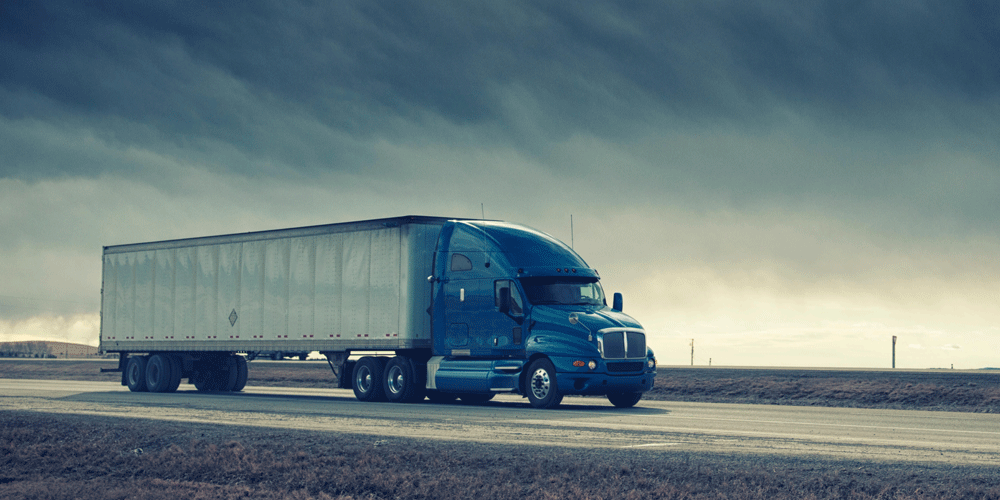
(183, 304)
(355, 275)
(385, 286)
(302, 288)
(163, 291)
(276, 271)
(208, 317)
(249, 293)
(337, 290)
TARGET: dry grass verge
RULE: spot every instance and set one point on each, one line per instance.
(966, 391)
(64, 456)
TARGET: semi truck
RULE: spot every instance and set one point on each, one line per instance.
(404, 309)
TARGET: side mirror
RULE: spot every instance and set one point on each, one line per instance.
(617, 304)
(504, 300)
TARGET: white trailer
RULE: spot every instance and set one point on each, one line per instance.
(189, 306)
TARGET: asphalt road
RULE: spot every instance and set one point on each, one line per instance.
(855, 434)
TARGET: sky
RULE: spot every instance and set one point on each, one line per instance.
(782, 183)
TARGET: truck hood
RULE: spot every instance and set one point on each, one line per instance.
(589, 318)
(553, 331)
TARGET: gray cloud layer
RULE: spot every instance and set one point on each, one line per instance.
(794, 146)
(252, 74)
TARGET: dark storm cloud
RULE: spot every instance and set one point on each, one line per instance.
(307, 83)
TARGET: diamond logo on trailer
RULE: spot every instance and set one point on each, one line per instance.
(232, 318)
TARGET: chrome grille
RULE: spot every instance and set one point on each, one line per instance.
(622, 344)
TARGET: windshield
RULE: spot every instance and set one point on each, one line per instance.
(563, 291)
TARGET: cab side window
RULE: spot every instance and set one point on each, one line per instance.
(460, 262)
(505, 287)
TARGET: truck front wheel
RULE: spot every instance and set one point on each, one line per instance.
(367, 379)
(542, 389)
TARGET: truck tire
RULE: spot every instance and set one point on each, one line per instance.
(205, 381)
(227, 373)
(624, 399)
(158, 373)
(367, 379)
(207, 375)
(176, 372)
(135, 374)
(542, 387)
(242, 373)
(402, 382)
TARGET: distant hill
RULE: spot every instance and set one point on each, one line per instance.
(46, 349)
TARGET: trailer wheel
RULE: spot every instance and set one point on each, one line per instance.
(207, 375)
(176, 372)
(624, 399)
(158, 373)
(402, 382)
(367, 379)
(226, 373)
(135, 374)
(542, 387)
(204, 381)
(242, 373)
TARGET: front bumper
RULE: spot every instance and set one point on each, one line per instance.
(582, 381)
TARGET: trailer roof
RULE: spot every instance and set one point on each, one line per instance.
(340, 227)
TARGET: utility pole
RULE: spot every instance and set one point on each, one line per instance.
(894, 351)
(692, 352)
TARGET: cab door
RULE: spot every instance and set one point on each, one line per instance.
(470, 322)
(506, 329)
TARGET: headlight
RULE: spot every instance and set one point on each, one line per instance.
(592, 365)
(651, 363)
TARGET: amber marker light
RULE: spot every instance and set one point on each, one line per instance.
(578, 363)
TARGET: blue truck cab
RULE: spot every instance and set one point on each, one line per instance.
(516, 310)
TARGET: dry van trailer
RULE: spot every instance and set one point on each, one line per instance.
(190, 305)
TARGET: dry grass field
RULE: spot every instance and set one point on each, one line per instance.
(46, 456)
(63, 456)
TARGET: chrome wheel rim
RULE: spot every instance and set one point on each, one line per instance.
(396, 380)
(540, 383)
(364, 379)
